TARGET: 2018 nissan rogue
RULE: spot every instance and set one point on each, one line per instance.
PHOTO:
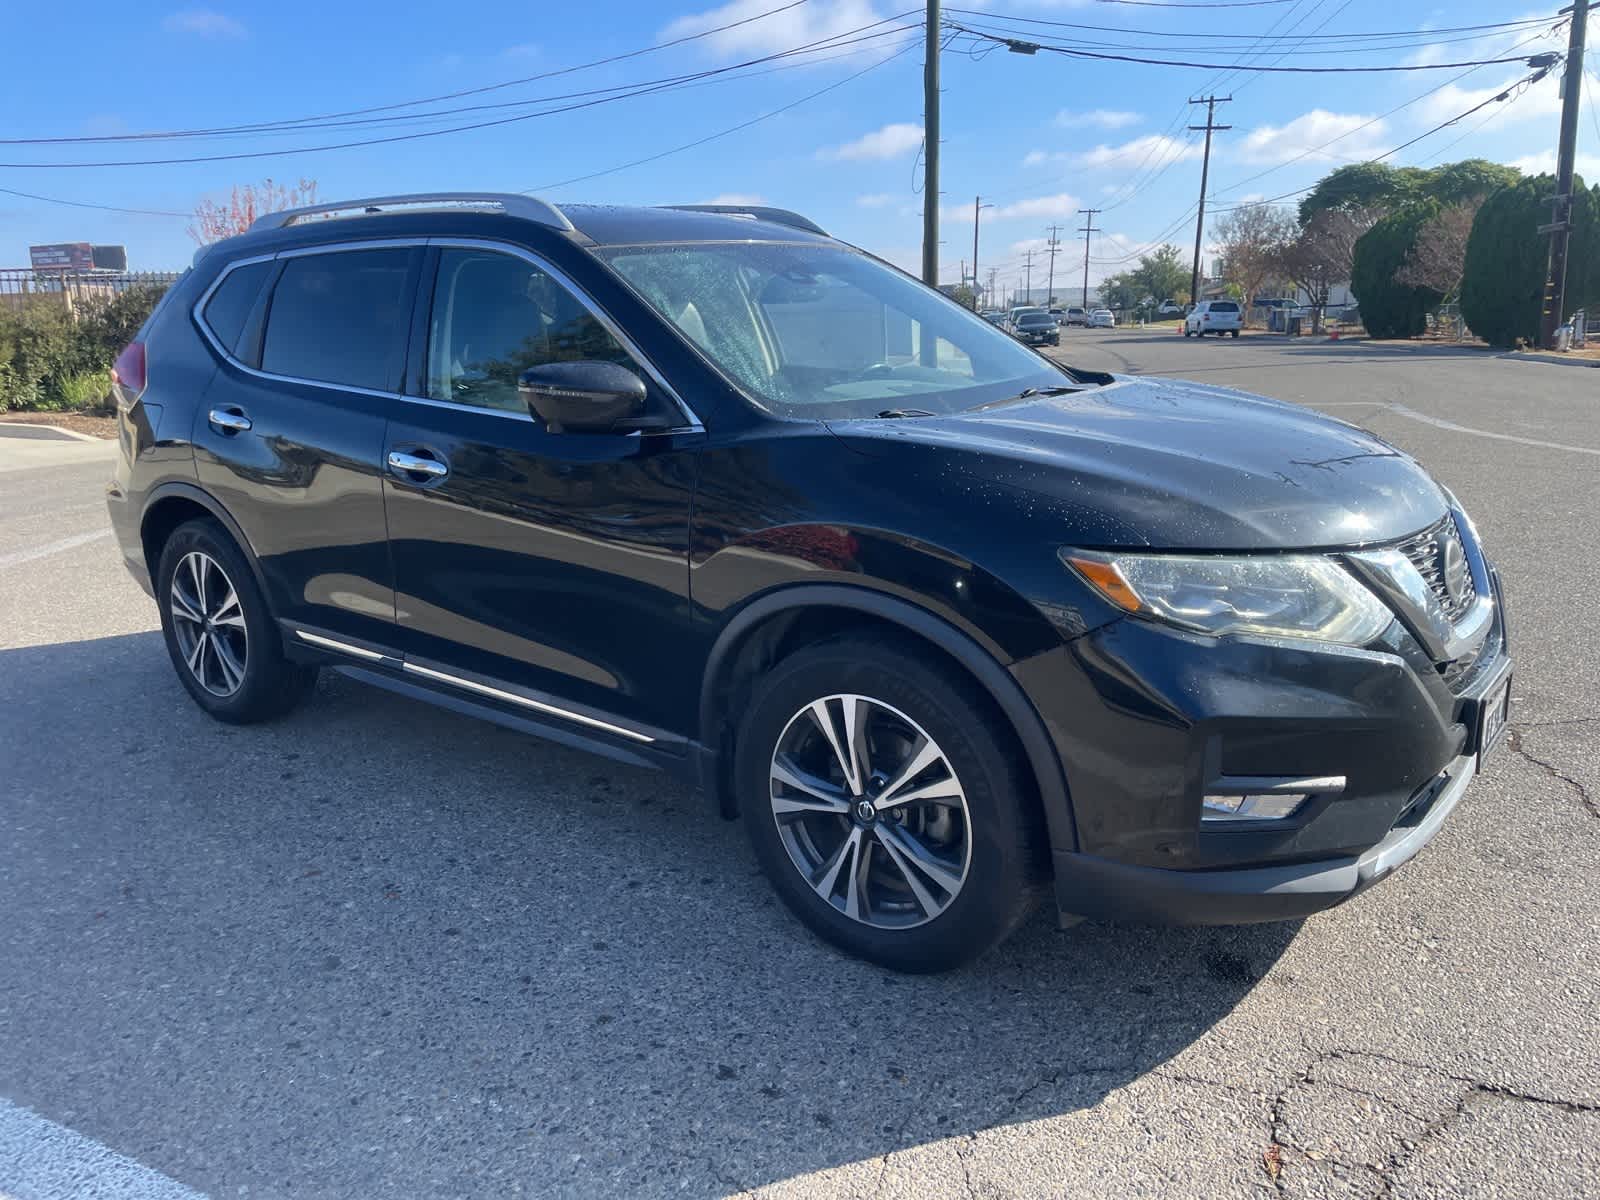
(947, 623)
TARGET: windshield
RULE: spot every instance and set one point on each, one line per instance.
(823, 331)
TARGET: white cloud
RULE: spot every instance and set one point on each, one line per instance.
(1343, 133)
(1541, 101)
(1147, 150)
(1544, 163)
(891, 141)
(1099, 118)
(796, 26)
(734, 198)
(1061, 204)
(876, 200)
(204, 22)
(522, 50)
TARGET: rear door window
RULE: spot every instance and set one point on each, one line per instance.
(341, 318)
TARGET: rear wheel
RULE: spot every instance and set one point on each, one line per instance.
(222, 639)
(882, 798)
(1235, 333)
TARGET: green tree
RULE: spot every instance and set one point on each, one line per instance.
(1162, 275)
(1389, 308)
(1468, 180)
(1121, 291)
(1361, 185)
(1502, 285)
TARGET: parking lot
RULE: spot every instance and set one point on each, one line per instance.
(377, 949)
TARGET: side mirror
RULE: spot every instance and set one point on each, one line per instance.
(584, 397)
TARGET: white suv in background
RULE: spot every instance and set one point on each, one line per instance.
(1214, 316)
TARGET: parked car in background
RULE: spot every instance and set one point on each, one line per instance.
(1037, 329)
(994, 316)
(1102, 318)
(1016, 313)
(1214, 316)
(1170, 308)
(950, 626)
(1077, 316)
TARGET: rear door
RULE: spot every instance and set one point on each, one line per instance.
(548, 568)
(289, 436)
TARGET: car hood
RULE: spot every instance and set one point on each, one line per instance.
(1173, 465)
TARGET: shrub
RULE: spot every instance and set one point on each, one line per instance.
(1502, 285)
(1391, 309)
(48, 362)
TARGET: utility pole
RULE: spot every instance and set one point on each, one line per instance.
(1560, 227)
(930, 148)
(1027, 277)
(977, 207)
(993, 271)
(1050, 285)
(1088, 228)
(1210, 126)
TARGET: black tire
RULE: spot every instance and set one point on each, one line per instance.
(1187, 332)
(1004, 825)
(1235, 333)
(269, 685)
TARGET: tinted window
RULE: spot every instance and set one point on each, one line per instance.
(230, 305)
(819, 330)
(493, 317)
(1223, 306)
(340, 318)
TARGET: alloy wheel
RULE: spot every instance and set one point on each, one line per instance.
(870, 811)
(208, 622)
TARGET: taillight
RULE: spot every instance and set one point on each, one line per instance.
(128, 375)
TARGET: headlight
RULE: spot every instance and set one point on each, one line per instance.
(1279, 595)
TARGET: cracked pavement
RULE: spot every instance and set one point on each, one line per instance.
(380, 950)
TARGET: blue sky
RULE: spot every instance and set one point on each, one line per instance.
(1041, 136)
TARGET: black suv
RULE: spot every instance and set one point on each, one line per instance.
(944, 622)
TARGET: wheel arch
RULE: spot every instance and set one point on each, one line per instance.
(170, 505)
(779, 621)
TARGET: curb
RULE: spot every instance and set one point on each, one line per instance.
(71, 434)
(1546, 356)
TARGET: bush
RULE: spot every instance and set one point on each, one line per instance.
(1391, 309)
(1502, 286)
(49, 362)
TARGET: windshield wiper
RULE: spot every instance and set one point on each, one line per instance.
(1030, 393)
(890, 413)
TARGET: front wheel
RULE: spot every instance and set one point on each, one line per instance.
(1235, 333)
(882, 797)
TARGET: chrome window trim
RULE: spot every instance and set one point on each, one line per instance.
(198, 311)
(695, 425)
(328, 643)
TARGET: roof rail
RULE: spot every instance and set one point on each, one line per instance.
(512, 204)
(760, 212)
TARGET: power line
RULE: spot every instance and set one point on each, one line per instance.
(291, 122)
(1253, 37)
(639, 162)
(640, 90)
(140, 212)
(1029, 47)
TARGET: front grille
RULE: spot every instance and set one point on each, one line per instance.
(1432, 552)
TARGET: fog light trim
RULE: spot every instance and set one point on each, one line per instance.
(1244, 806)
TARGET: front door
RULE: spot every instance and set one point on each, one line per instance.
(555, 563)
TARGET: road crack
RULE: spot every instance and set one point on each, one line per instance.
(1514, 741)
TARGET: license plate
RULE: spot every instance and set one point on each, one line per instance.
(1492, 714)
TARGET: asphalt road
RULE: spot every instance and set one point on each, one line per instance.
(379, 950)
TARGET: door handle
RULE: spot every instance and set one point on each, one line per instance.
(229, 420)
(402, 463)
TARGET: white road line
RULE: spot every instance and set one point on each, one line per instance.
(1400, 410)
(40, 1160)
(18, 557)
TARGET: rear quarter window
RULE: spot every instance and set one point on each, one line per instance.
(229, 307)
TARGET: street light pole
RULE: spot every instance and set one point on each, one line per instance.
(977, 207)
(930, 149)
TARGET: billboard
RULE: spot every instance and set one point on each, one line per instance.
(78, 256)
(63, 256)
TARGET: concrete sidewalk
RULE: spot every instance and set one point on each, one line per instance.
(29, 451)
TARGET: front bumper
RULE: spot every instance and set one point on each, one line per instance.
(1147, 721)
(1087, 886)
